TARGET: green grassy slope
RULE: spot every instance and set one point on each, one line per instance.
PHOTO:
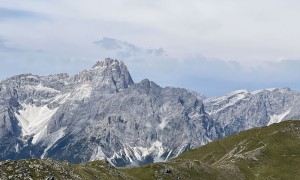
(271, 152)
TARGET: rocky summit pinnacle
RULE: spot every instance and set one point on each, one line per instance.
(109, 75)
(106, 63)
(99, 113)
(102, 114)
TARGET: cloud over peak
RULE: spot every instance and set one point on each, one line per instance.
(124, 49)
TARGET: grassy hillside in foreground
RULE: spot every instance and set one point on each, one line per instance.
(52, 170)
(271, 152)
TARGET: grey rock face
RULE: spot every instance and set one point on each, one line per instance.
(241, 110)
(100, 114)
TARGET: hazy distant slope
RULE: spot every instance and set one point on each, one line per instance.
(241, 110)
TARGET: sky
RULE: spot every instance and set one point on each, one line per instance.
(209, 46)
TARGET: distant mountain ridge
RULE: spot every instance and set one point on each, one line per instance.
(102, 114)
(241, 110)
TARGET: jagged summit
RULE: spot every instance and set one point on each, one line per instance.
(111, 64)
(107, 62)
(108, 75)
(114, 69)
(101, 113)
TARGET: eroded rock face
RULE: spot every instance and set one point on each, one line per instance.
(241, 110)
(100, 113)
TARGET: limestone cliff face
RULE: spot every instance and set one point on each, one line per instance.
(241, 110)
(100, 113)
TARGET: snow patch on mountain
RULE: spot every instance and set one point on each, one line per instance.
(52, 139)
(180, 151)
(33, 119)
(40, 135)
(157, 148)
(278, 118)
(17, 147)
(134, 154)
(97, 154)
(228, 100)
(140, 152)
(262, 90)
(232, 97)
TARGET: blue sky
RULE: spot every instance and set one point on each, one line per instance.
(209, 46)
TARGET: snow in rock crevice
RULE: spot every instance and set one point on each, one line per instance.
(52, 139)
(278, 118)
(33, 119)
(97, 154)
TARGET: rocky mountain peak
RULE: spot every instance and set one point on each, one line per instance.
(109, 74)
(102, 114)
(107, 63)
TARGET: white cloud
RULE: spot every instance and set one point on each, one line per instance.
(125, 50)
(209, 76)
(245, 31)
(241, 40)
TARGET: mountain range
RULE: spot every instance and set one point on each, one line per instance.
(270, 152)
(102, 114)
